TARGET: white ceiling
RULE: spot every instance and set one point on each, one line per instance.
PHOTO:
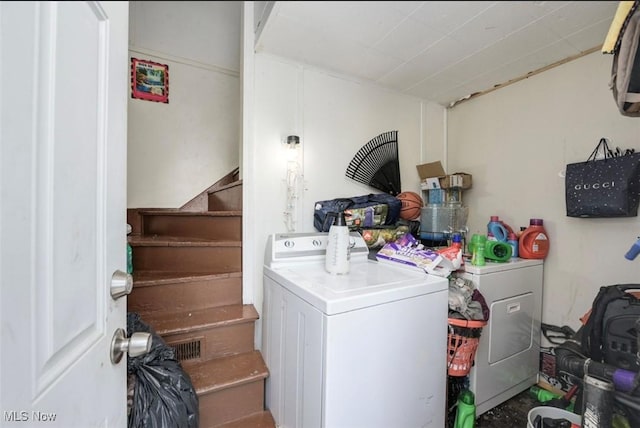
(442, 51)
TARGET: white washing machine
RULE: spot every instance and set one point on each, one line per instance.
(366, 349)
(508, 355)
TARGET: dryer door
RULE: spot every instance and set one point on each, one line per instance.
(512, 329)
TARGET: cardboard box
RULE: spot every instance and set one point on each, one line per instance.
(433, 176)
(459, 179)
(430, 174)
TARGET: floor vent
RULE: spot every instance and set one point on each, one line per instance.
(187, 350)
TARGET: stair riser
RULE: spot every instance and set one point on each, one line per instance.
(214, 343)
(188, 259)
(229, 404)
(256, 420)
(226, 199)
(179, 296)
(224, 228)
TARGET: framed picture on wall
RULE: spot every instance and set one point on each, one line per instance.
(149, 80)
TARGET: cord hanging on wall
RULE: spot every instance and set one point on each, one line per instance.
(292, 181)
(376, 164)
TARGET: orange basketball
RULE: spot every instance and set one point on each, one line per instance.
(411, 205)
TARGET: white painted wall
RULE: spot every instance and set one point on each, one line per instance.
(179, 149)
(515, 142)
(334, 117)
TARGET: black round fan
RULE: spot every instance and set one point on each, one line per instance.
(376, 164)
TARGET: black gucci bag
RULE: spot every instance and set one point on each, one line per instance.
(605, 187)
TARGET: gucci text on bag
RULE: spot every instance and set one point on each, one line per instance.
(605, 185)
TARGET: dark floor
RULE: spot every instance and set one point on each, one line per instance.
(510, 414)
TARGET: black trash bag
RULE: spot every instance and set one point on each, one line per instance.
(164, 396)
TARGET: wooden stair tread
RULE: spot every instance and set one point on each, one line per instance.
(188, 285)
(229, 213)
(178, 241)
(257, 420)
(226, 186)
(150, 278)
(191, 321)
(226, 372)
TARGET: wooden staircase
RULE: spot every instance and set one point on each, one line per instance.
(188, 287)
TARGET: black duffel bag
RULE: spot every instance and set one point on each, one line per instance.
(325, 212)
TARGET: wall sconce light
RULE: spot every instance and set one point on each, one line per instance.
(292, 181)
(293, 140)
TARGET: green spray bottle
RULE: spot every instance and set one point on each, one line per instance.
(466, 413)
(542, 395)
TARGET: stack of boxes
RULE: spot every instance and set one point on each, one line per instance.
(443, 213)
(439, 187)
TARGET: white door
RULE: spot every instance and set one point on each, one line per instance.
(63, 119)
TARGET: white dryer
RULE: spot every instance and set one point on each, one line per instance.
(508, 355)
(366, 349)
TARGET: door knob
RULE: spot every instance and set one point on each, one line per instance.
(136, 345)
(121, 284)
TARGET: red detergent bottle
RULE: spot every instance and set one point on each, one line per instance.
(534, 241)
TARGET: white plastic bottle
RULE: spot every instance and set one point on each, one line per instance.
(338, 254)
